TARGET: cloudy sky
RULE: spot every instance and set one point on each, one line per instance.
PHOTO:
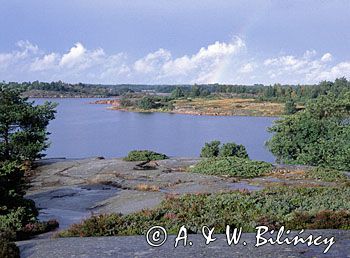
(175, 41)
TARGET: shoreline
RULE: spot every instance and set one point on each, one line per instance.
(186, 113)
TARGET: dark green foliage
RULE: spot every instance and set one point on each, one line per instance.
(15, 211)
(22, 137)
(144, 155)
(8, 249)
(318, 135)
(276, 92)
(22, 126)
(272, 207)
(233, 150)
(177, 93)
(232, 166)
(290, 107)
(327, 175)
(147, 102)
(210, 149)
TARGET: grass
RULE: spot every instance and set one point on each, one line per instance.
(232, 166)
(147, 188)
(293, 207)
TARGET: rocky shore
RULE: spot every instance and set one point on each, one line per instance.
(71, 190)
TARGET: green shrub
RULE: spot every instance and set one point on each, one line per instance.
(319, 207)
(144, 155)
(319, 135)
(232, 166)
(327, 174)
(233, 150)
(15, 211)
(210, 149)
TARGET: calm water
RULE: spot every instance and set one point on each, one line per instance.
(84, 130)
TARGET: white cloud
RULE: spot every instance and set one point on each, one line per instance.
(46, 62)
(74, 55)
(222, 62)
(327, 57)
(152, 61)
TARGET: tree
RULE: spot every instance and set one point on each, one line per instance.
(232, 149)
(290, 107)
(177, 93)
(23, 125)
(318, 135)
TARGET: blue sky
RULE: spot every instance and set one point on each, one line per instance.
(169, 41)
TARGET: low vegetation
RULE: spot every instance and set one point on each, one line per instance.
(232, 166)
(327, 175)
(294, 207)
(144, 155)
(8, 249)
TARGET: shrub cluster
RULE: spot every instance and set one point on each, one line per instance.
(213, 149)
(293, 207)
(327, 175)
(232, 166)
(144, 155)
(319, 135)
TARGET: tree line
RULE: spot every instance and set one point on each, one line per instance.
(276, 92)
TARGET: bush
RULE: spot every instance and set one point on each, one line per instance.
(210, 149)
(232, 166)
(15, 211)
(325, 207)
(325, 219)
(144, 155)
(290, 107)
(319, 135)
(233, 150)
(8, 249)
(326, 174)
(147, 102)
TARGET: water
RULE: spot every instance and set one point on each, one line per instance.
(84, 130)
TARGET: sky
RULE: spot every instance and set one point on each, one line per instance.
(175, 41)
